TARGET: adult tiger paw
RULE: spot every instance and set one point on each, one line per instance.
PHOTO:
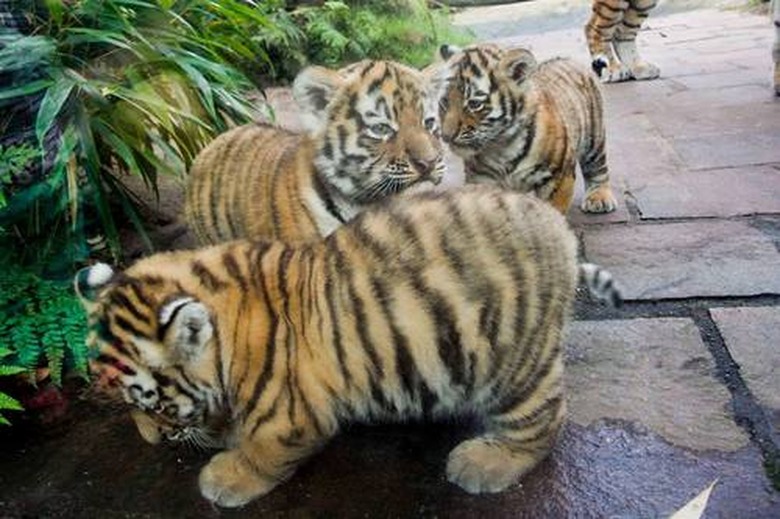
(229, 481)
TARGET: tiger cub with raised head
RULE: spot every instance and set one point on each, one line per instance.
(611, 34)
(438, 304)
(524, 125)
(368, 136)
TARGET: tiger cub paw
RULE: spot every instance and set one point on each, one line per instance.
(484, 465)
(229, 481)
(643, 70)
(600, 200)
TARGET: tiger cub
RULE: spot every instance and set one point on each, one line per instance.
(433, 305)
(524, 126)
(611, 33)
(367, 137)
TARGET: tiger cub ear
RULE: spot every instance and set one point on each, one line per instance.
(518, 64)
(90, 280)
(447, 51)
(185, 326)
(313, 89)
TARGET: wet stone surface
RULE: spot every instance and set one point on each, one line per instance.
(654, 371)
(612, 468)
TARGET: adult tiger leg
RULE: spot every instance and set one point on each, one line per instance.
(600, 32)
(625, 40)
(776, 46)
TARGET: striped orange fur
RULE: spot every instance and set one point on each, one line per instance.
(438, 304)
(525, 125)
(368, 136)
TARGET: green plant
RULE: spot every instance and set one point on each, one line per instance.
(41, 323)
(120, 88)
(13, 160)
(8, 403)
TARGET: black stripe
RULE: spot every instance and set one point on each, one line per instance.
(129, 327)
(206, 277)
(270, 354)
(234, 271)
(263, 418)
(324, 195)
(121, 300)
(330, 296)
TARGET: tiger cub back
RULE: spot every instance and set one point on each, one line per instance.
(368, 136)
(611, 34)
(525, 125)
(439, 304)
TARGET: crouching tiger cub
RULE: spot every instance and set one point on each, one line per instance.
(450, 304)
(611, 33)
(368, 136)
(524, 126)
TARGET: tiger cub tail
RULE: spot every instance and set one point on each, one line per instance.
(601, 284)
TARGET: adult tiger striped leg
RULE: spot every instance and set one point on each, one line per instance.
(776, 46)
(625, 40)
(600, 33)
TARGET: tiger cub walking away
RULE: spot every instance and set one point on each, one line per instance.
(524, 126)
(434, 305)
(368, 137)
(611, 33)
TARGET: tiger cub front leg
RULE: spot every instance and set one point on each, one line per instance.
(263, 459)
(625, 40)
(600, 33)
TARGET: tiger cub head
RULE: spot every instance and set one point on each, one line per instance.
(480, 90)
(374, 129)
(155, 345)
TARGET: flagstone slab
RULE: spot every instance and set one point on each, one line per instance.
(752, 336)
(654, 371)
(688, 259)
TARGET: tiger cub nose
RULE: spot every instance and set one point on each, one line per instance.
(424, 167)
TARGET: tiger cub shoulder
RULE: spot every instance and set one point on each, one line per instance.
(524, 125)
(369, 133)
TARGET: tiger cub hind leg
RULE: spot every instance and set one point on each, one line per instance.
(512, 447)
(625, 40)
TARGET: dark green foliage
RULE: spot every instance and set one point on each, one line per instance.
(270, 43)
(8, 403)
(117, 88)
(41, 323)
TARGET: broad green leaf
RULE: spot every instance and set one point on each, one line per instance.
(9, 403)
(51, 105)
(11, 370)
(26, 89)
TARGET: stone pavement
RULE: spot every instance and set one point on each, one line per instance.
(677, 389)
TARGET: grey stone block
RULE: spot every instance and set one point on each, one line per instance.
(679, 260)
(654, 371)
